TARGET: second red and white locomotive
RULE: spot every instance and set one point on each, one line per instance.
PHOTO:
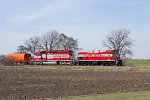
(108, 57)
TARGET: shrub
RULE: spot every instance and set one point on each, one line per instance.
(5, 61)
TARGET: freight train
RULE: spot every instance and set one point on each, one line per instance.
(66, 57)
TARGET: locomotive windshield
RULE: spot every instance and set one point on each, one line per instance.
(116, 53)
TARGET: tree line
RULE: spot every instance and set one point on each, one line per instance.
(52, 40)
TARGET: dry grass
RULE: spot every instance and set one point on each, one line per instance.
(86, 68)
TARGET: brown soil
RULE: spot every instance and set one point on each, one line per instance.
(36, 83)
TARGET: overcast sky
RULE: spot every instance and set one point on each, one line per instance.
(89, 21)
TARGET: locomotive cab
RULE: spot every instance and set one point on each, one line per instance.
(117, 58)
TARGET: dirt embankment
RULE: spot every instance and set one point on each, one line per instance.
(30, 83)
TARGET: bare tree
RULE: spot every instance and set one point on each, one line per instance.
(43, 42)
(50, 40)
(68, 42)
(120, 40)
(32, 44)
(53, 40)
(21, 49)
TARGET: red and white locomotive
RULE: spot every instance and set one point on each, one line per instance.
(108, 57)
(58, 57)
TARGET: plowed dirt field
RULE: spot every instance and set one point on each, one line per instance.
(24, 82)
